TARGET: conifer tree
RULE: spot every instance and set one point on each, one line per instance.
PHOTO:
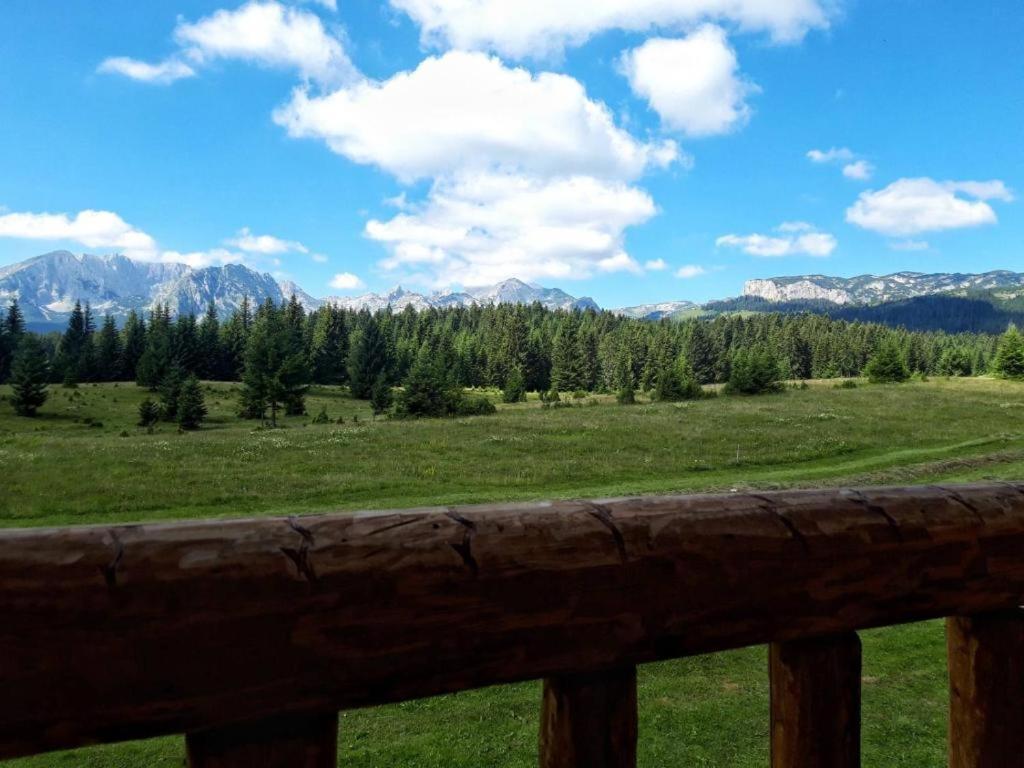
(888, 365)
(170, 392)
(157, 358)
(424, 391)
(381, 398)
(234, 339)
(149, 413)
(72, 355)
(12, 328)
(209, 364)
(563, 359)
(956, 361)
(30, 372)
(328, 349)
(754, 371)
(677, 382)
(367, 358)
(133, 345)
(108, 351)
(515, 387)
(191, 410)
(275, 375)
(14, 323)
(626, 394)
(1009, 361)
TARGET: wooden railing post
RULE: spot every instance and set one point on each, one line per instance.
(288, 741)
(815, 702)
(589, 721)
(986, 690)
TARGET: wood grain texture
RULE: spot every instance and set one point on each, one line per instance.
(298, 741)
(986, 690)
(815, 702)
(589, 720)
(124, 632)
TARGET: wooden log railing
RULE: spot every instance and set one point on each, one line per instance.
(250, 635)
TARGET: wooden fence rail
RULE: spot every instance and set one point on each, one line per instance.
(250, 635)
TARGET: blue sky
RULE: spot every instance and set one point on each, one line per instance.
(630, 150)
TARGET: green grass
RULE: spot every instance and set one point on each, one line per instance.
(704, 711)
(59, 470)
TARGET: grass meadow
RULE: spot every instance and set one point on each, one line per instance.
(84, 461)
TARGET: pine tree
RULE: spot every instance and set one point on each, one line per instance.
(626, 394)
(170, 392)
(1009, 361)
(30, 372)
(888, 365)
(381, 398)
(149, 413)
(677, 382)
(11, 330)
(234, 339)
(275, 375)
(108, 351)
(72, 355)
(563, 358)
(14, 323)
(157, 358)
(700, 352)
(424, 392)
(515, 387)
(133, 345)
(185, 350)
(209, 363)
(956, 361)
(367, 358)
(328, 348)
(191, 409)
(754, 371)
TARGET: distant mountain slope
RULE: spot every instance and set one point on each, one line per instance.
(510, 291)
(659, 311)
(940, 312)
(48, 286)
(870, 289)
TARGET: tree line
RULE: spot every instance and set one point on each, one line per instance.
(278, 351)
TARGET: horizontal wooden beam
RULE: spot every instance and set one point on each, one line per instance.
(120, 632)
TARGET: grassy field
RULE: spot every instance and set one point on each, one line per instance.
(710, 711)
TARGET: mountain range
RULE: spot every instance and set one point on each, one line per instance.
(873, 289)
(47, 287)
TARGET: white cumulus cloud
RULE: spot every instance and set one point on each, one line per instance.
(854, 167)
(267, 245)
(833, 155)
(690, 271)
(469, 111)
(693, 83)
(538, 28)
(655, 265)
(859, 170)
(93, 229)
(346, 281)
(790, 239)
(163, 73)
(479, 228)
(913, 206)
(262, 32)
